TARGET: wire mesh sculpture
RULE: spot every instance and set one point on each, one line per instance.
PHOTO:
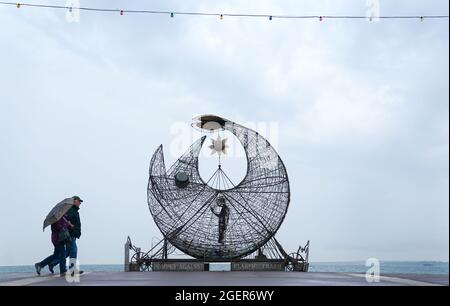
(226, 222)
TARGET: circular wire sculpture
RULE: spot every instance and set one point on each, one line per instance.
(230, 221)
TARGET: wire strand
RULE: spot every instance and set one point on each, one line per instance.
(221, 15)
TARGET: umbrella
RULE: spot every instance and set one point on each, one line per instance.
(58, 212)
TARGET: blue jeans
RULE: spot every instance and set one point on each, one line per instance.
(71, 251)
(58, 256)
(71, 248)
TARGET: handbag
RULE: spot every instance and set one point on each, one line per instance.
(63, 235)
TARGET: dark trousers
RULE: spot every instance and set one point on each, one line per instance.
(71, 251)
(58, 256)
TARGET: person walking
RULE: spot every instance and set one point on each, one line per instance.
(60, 235)
(73, 216)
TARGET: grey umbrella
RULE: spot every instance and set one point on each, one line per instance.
(58, 212)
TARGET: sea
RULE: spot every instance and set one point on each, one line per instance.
(386, 267)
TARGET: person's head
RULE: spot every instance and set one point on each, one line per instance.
(220, 201)
(77, 201)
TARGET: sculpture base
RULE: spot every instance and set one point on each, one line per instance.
(190, 265)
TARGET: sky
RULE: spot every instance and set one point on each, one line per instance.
(358, 110)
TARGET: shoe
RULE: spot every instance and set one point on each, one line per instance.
(63, 274)
(78, 272)
(38, 268)
(50, 268)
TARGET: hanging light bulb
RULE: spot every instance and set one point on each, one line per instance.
(321, 18)
(270, 17)
(70, 9)
(18, 5)
(422, 18)
(121, 12)
(171, 15)
(221, 17)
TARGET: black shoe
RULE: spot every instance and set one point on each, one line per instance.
(78, 272)
(38, 268)
(50, 268)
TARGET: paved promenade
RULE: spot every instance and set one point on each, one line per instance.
(220, 279)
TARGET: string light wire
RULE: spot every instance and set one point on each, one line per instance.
(221, 15)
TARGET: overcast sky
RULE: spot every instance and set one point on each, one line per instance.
(361, 109)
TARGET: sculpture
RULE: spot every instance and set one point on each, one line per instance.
(227, 222)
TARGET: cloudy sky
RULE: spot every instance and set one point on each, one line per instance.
(359, 113)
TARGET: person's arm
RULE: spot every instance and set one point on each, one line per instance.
(60, 224)
(68, 223)
(213, 211)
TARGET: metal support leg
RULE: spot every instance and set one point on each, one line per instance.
(127, 255)
(164, 255)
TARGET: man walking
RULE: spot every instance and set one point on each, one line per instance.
(75, 231)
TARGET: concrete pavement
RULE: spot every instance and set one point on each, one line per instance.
(221, 279)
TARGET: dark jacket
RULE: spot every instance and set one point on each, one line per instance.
(74, 217)
(56, 228)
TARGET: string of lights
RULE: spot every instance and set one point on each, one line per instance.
(220, 15)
